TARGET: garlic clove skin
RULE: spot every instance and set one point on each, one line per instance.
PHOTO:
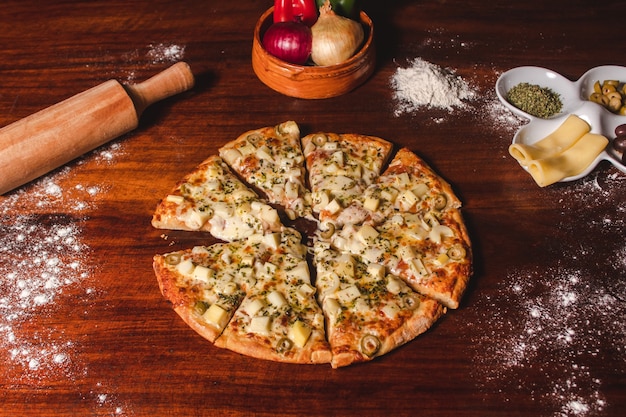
(335, 38)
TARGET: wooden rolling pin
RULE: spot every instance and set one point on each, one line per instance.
(43, 141)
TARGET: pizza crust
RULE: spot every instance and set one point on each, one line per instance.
(180, 300)
(316, 352)
(426, 315)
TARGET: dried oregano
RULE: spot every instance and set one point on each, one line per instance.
(535, 100)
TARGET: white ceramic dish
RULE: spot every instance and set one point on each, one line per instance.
(575, 98)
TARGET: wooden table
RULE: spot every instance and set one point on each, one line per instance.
(84, 330)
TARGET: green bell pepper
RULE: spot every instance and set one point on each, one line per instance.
(346, 8)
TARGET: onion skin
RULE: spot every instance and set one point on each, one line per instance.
(289, 41)
(335, 38)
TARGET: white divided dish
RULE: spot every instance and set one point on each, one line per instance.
(575, 98)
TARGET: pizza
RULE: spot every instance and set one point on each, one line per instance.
(389, 255)
(340, 168)
(213, 199)
(413, 226)
(368, 311)
(271, 160)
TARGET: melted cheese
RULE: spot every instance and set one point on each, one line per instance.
(274, 164)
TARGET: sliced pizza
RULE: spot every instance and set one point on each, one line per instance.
(390, 253)
(279, 319)
(211, 198)
(408, 185)
(206, 284)
(340, 168)
(417, 231)
(271, 160)
(252, 296)
(368, 311)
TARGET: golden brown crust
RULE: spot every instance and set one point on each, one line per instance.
(316, 350)
(424, 317)
(346, 340)
(181, 302)
(357, 141)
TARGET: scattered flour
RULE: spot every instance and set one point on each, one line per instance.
(44, 261)
(161, 53)
(440, 39)
(424, 84)
(559, 324)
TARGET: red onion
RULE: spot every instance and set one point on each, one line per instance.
(289, 41)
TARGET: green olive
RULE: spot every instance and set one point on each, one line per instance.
(328, 231)
(411, 301)
(370, 345)
(254, 138)
(319, 139)
(172, 258)
(597, 87)
(614, 94)
(596, 97)
(608, 88)
(284, 345)
(614, 104)
(457, 252)
(201, 307)
(440, 201)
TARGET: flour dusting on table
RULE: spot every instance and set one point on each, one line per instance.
(558, 324)
(44, 263)
(163, 52)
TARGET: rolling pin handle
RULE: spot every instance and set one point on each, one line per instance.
(169, 82)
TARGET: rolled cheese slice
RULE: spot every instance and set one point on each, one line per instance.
(573, 161)
(564, 137)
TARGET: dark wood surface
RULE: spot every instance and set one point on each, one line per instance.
(540, 331)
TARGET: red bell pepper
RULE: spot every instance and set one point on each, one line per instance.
(304, 11)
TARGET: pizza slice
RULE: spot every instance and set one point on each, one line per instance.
(340, 168)
(211, 198)
(279, 319)
(271, 160)
(408, 185)
(252, 296)
(368, 311)
(206, 284)
(415, 229)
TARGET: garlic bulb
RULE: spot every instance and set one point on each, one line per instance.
(335, 38)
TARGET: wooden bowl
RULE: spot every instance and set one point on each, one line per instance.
(310, 81)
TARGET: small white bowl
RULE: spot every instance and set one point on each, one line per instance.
(575, 98)
(542, 77)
